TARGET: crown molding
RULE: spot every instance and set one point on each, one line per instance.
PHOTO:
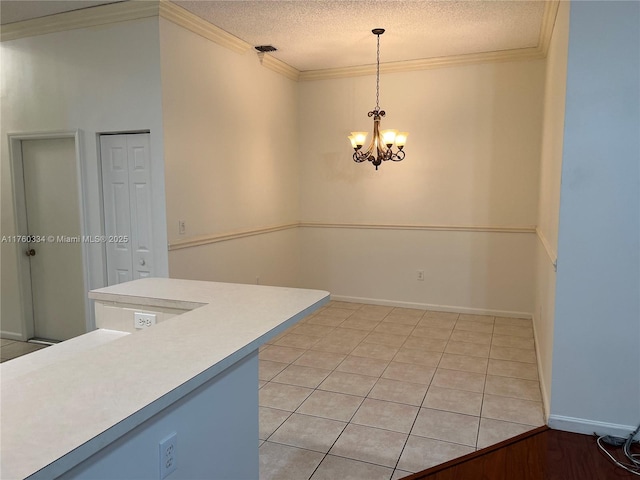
(530, 53)
(121, 12)
(178, 15)
(272, 63)
(87, 17)
(548, 23)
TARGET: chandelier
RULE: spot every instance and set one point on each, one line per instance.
(381, 147)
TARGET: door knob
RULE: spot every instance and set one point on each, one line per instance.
(142, 262)
(31, 252)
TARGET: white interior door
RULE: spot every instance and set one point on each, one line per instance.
(126, 180)
(53, 212)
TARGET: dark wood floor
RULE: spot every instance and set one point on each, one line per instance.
(541, 454)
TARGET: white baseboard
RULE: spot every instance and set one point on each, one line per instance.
(546, 400)
(589, 427)
(12, 335)
(428, 306)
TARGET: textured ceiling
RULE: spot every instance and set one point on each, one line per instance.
(320, 34)
(312, 35)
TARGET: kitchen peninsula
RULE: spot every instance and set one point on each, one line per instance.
(98, 406)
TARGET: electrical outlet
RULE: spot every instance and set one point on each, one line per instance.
(420, 275)
(168, 455)
(182, 227)
(143, 320)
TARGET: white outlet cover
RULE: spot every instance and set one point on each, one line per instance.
(143, 320)
(168, 455)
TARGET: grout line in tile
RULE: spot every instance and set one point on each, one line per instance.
(269, 436)
(378, 377)
(484, 388)
(449, 441)
(514, 361)
(363, 461)
(415, 420)
(329, 449)
(515, 398)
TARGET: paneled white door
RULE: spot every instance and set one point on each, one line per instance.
(53, 220)
(126, 189)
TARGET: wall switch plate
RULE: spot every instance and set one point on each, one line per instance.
(143, 320)
(168, 455)
(420, 275)
(182, 227)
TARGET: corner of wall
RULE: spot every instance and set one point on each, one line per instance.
(542, 377)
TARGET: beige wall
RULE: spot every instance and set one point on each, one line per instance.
(472, 155)
(549, 196)
(266, 259)
(472, 160)
(246, 148)
(101, 79)
(474, 272)
(231, 164)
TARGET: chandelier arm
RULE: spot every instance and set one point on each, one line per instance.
(370, 149)
(384, 152)
(358, 157)
(381, 148)
(398, 157)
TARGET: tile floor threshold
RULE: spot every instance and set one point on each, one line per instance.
(43, 341)
(357, 391)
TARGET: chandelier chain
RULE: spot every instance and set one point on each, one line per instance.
(378, 76)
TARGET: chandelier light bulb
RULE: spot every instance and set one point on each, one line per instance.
(389, 137)
(401, 139)
(358, 139)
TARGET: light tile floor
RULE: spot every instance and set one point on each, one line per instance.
(371, 392)
(12, 348)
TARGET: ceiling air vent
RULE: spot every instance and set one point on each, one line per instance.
(266, 48)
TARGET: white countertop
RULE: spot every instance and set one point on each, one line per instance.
(58, 409)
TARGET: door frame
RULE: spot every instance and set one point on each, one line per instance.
(20, 215)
